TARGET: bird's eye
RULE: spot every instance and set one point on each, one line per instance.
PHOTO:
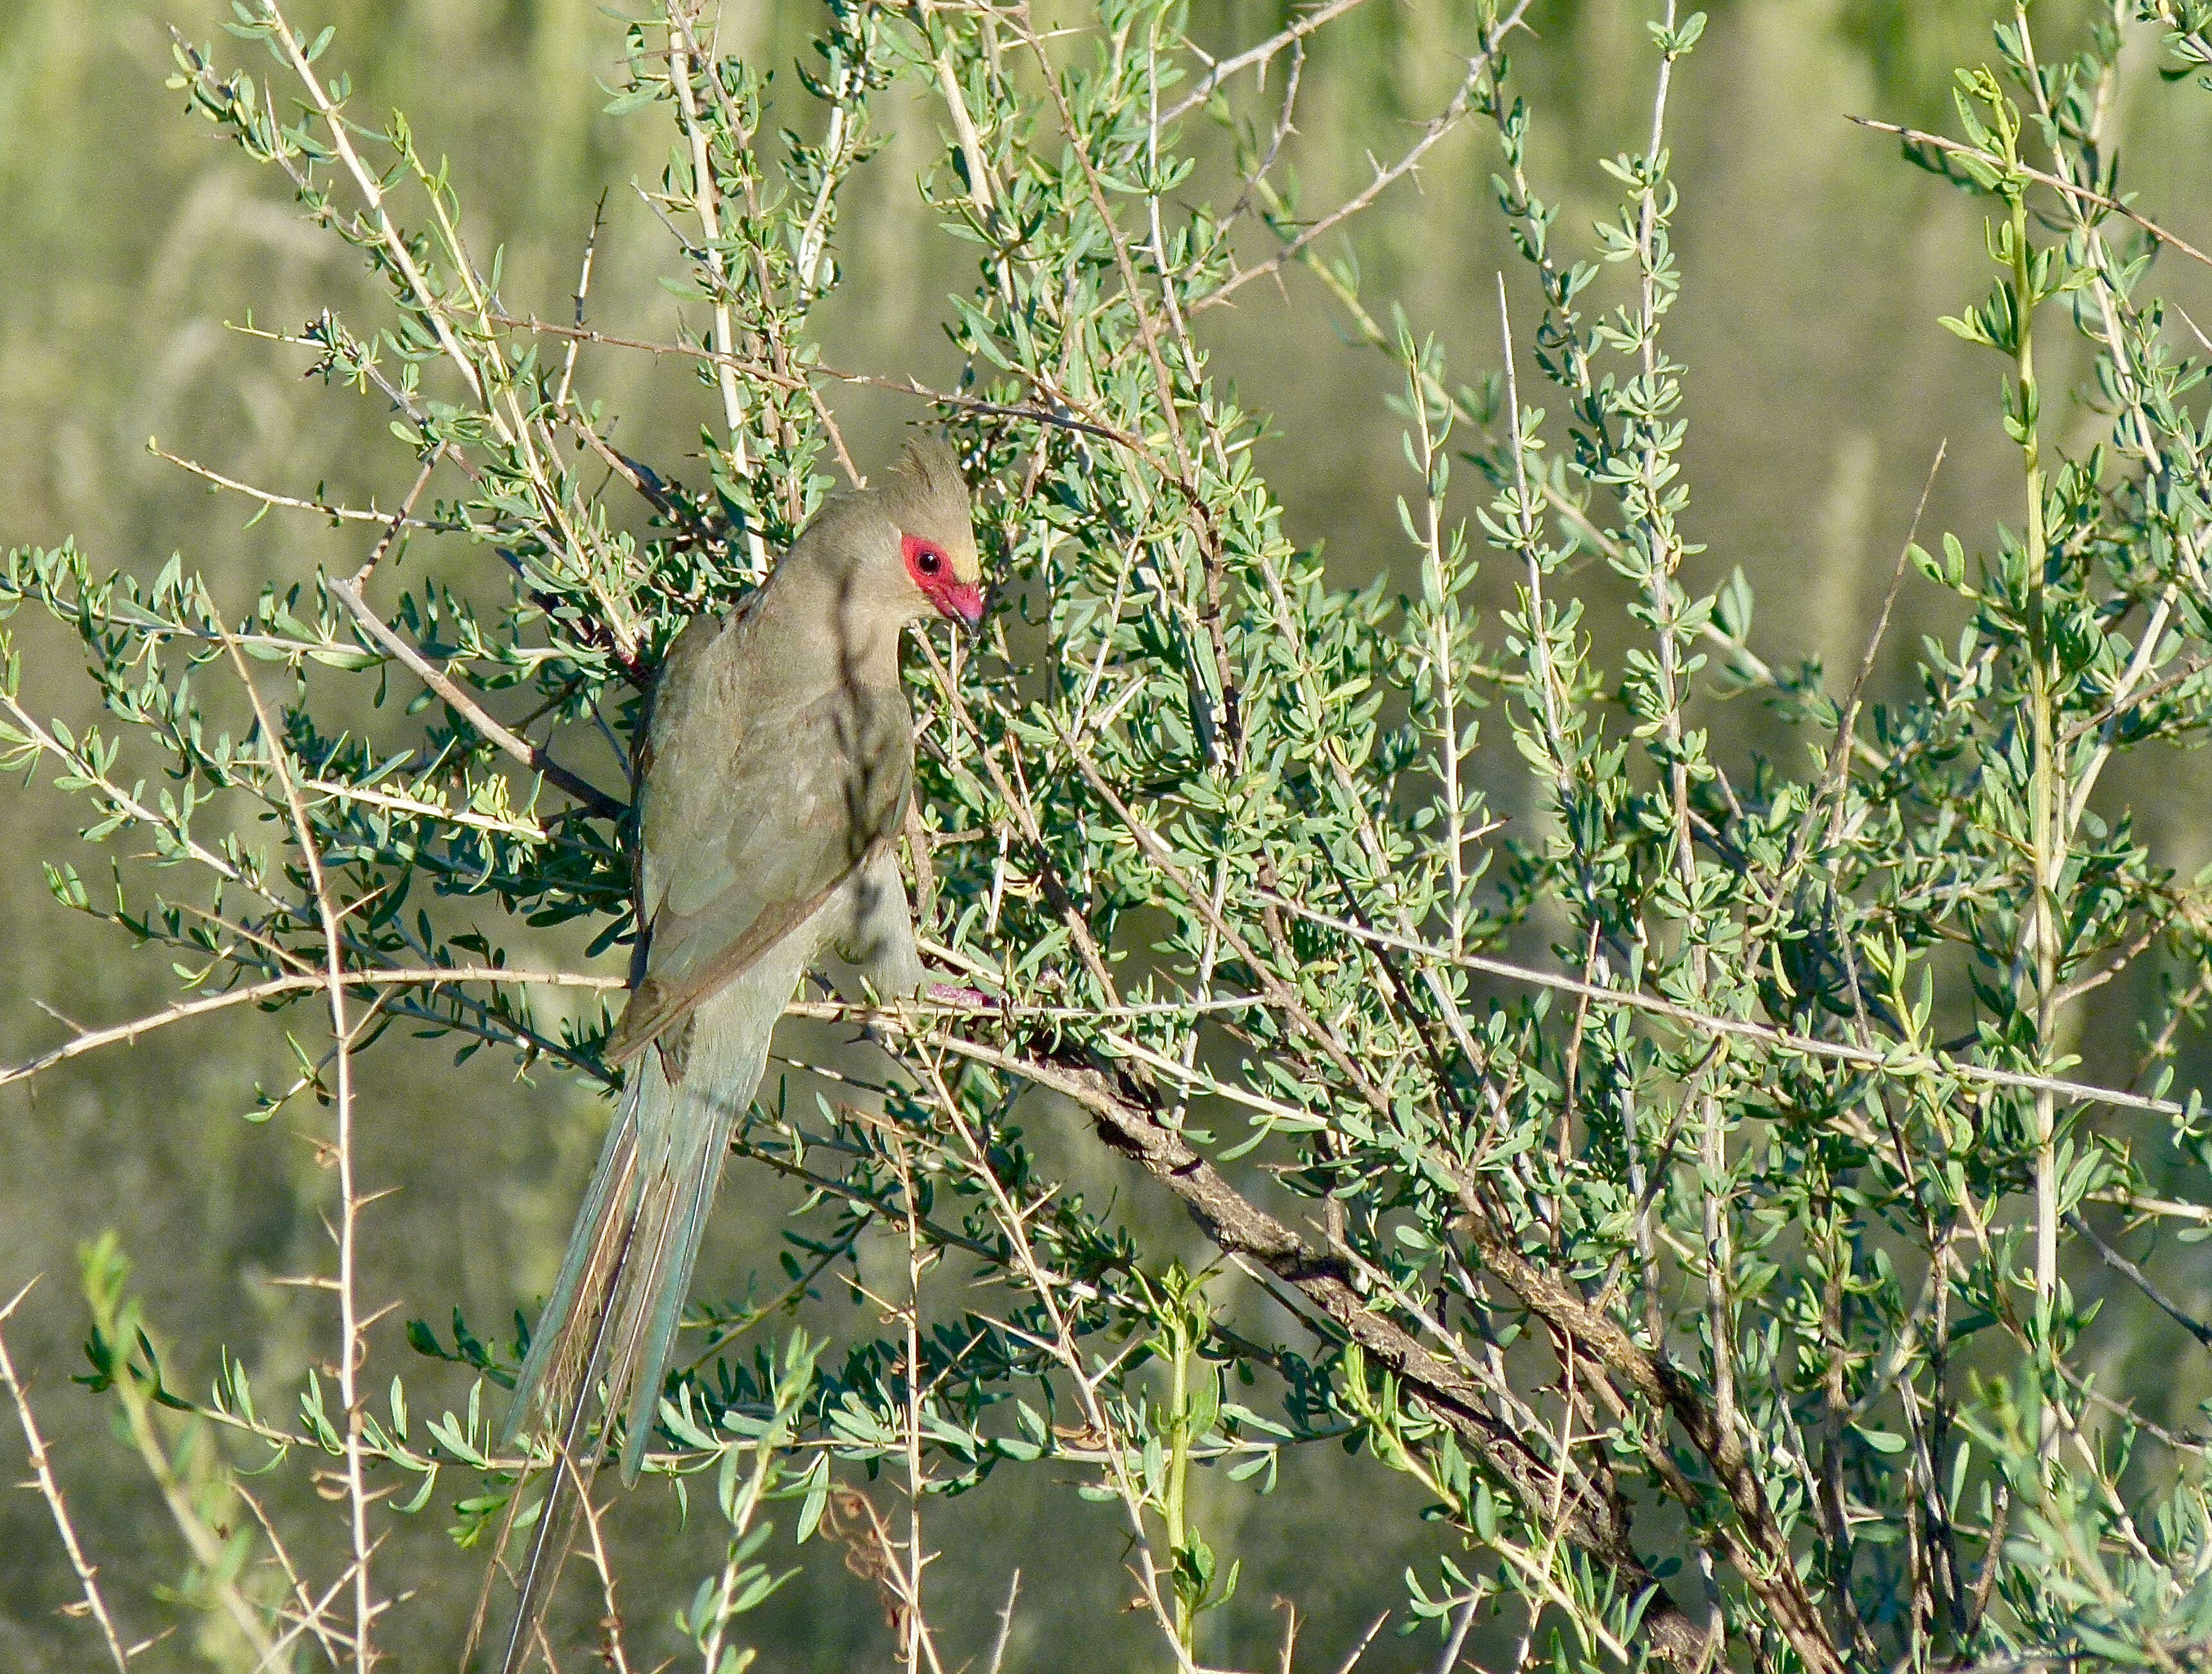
(925, 562)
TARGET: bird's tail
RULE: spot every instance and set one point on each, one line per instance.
(571, 1333)
(612, 1317)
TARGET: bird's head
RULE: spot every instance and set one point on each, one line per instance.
(899, 552)
(924, 500)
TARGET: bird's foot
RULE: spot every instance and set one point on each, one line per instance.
(965, 999)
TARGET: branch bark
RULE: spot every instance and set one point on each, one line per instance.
(1598, 1526)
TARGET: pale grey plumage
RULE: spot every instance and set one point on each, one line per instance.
(780, 762)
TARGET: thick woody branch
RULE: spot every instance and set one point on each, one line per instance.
(1240, 1228)
(1770, 1572)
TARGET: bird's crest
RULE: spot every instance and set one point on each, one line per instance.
(929, 464)
(926, 494)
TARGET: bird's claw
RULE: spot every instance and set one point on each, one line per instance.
(965, 999)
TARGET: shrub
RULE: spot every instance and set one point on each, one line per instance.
(1683, 1185)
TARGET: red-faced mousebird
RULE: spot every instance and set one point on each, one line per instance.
(778, 763)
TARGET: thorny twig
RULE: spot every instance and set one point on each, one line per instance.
(352, 1347)
(42, 1478)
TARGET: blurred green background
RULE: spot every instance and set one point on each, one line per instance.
(1815, 265)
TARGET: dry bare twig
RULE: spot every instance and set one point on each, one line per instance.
(50, 1490)
(1385, 177)
(352, 1348)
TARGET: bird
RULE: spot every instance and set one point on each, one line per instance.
(776, 776)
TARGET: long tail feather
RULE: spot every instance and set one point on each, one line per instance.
(552, 1375)
(567, 1352)
(680, 1146)
(574, 1468)
(612, 1318)
(693, 1178)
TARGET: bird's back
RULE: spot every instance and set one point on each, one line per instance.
(771, 779)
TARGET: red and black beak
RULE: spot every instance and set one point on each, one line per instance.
(964, 600)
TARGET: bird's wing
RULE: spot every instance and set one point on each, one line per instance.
(757, 809)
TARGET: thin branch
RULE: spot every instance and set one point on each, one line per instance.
(1262, 55)
(1278, 992)
(1284, 118)
(352, 1347)
(1464, 1620)
(797, 384)
(520, 749)
(1366, 1639)
(254, 994)
(330, 509)
(583, 293)
(2141, 1279)
(42, 1476)
(982, 184)
(529, 830)
(2080, 194)
(1433, 130)
(372, 190)
(1005, 1626)
(705, 199)
(1014, 1223)
(1846, 730)
(125, 801)
(1895, 1064)
(612, 1623)
(311, 1610)
(401, 519)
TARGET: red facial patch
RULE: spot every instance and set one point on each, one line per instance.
(931, 567)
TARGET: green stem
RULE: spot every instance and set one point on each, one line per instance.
(2044, 791)
(1178, 1483)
